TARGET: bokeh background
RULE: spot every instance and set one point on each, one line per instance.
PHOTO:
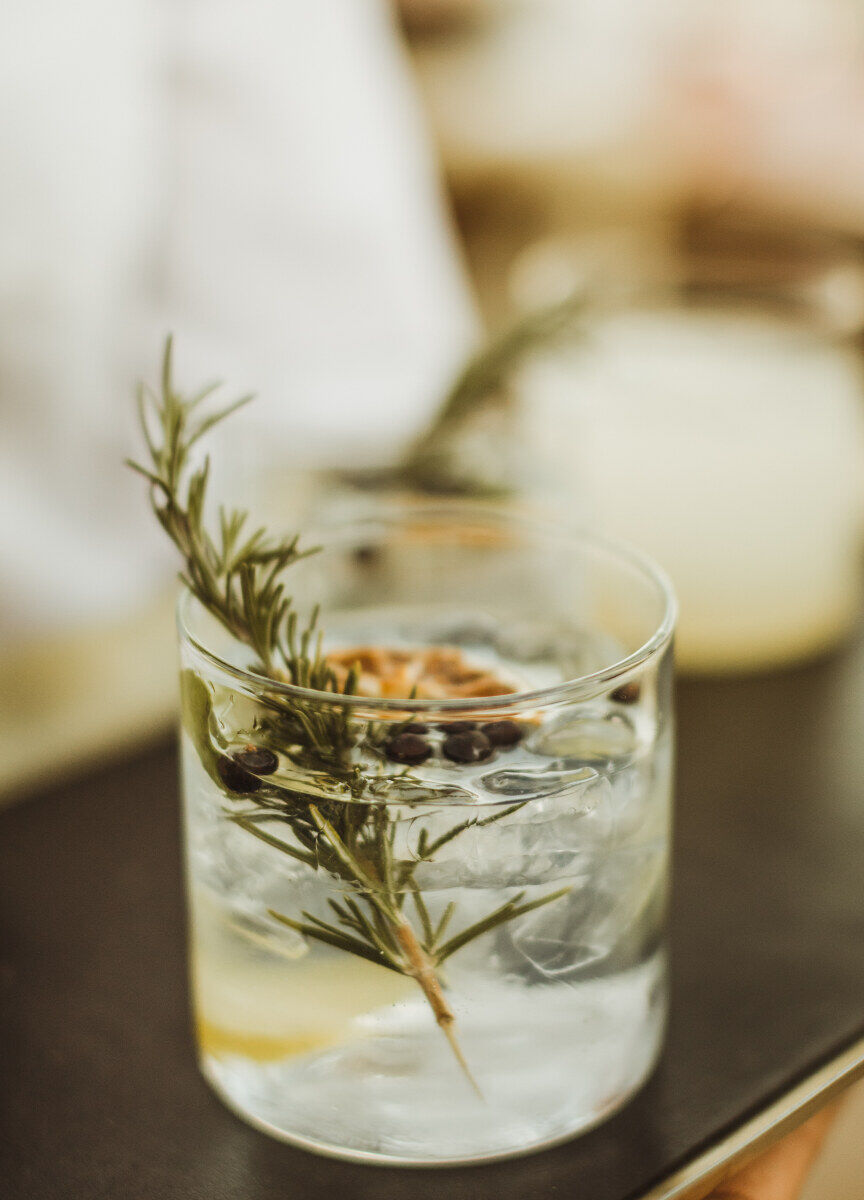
(336, 204)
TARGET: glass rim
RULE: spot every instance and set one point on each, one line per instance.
(591, 683)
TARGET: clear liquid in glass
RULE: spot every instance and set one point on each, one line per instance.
(559, 1012)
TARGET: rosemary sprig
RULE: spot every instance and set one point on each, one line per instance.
(434, 462)
(239, 578)
(496, 361)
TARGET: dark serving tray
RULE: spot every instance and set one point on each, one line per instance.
(99, 1090)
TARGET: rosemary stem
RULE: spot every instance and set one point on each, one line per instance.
(420, 968)
(238, 576)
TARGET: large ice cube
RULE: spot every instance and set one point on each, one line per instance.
(607, 919)
(589, 737)
(549, 837)
(527, 781)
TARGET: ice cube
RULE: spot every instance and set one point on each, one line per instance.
(413, 791)
(267, 936)
(546, 838)
(592, 737)
(558, 940)
(528, 782)
(608, 915)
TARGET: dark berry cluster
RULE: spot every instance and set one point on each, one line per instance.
(627, 693)
(241, 772)
(462, 741)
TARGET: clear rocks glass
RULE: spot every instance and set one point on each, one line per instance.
(430, 930)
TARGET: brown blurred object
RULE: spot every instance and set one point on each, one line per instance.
(733, 246)
(779, 1173)
(837, 1173)
(422, 18)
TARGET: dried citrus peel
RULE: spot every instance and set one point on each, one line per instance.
(430, 673)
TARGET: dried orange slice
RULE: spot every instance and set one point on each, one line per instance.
(432, 673)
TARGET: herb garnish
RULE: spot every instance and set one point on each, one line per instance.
(239, 578)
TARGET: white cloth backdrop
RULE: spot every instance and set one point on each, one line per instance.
(255, 177)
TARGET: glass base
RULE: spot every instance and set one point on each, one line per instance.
(513, 1149)
(401, 1099)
